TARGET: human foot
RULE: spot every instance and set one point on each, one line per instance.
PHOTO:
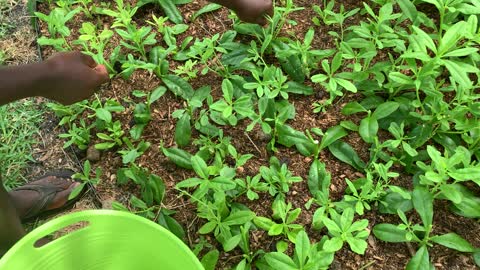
(49, 193)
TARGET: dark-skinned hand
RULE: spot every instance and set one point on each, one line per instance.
(253, 11)
(72, 77)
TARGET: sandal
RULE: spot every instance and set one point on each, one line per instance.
(47, 193)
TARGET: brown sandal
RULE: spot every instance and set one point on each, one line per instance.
(47, 193)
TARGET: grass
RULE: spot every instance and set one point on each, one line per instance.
(18, 122)
(5, 26)
(18, 127)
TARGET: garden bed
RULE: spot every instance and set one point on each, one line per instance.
(123, 176)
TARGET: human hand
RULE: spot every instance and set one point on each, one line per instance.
(253, 11)
(72, 77)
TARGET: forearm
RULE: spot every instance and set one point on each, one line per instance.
(21, 81)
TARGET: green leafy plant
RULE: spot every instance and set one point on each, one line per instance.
(77, 135)
(284, 213)
(228, 110)
(94, 44)
(85, 178)
(278, 177)
(221, 220)
(306, 255)
(142, 112)
(137, 39)
(57, 28)
(408, 232)
(209, 178)
(343, 229)
(333, 83)
(250, 186)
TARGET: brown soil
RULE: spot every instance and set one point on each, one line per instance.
(379, 255)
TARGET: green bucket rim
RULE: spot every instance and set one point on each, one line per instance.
(64, 221)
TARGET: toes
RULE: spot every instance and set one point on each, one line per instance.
(61, 182)
(61, 197)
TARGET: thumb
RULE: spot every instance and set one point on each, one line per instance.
(102, 74)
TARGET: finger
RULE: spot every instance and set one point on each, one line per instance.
(102, 74)
(270, 9)
(261, 20)
(88, 60)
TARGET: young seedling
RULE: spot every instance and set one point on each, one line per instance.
(222, 220)
(278, 177)
(85, 178)
(57, 28)
(142, 112)
(209, 179)
(306, 255)
(408, 232)
(343, 229)
(94, 43)
(284, 213)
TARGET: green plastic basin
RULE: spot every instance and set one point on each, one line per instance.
(111, 240)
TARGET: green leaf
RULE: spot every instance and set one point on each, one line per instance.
(280, 261)
(451, 193)
(103, 114)
(200, 167)
(318, 178)
(458, 73)
(385, 109)
(232, 242)
(288, 136)
(302, 247)
(461, 52)
(299, 88)
(331, 225)
(476, 257)
(357, 245)
(209, 261)
(347, 85)
(179, 157)
(450, 37)
(331, 135)
(344, 152)
(239, 218)
(400, 78)
(263, 222)
(389, 233)
(227, 89)
(423, 203)
(353, 107)
(465, 174)
(171, 11)
(425, 39)
(207, 227)
(276, 229)
(205, 9)
(183, 131)
(171, 224)
(408, 8)
(178, 86)
(453, 241)
(76, 191)
(157, 93)
(136, 202)
(333, 245)
(421, 260)
(368, 129)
